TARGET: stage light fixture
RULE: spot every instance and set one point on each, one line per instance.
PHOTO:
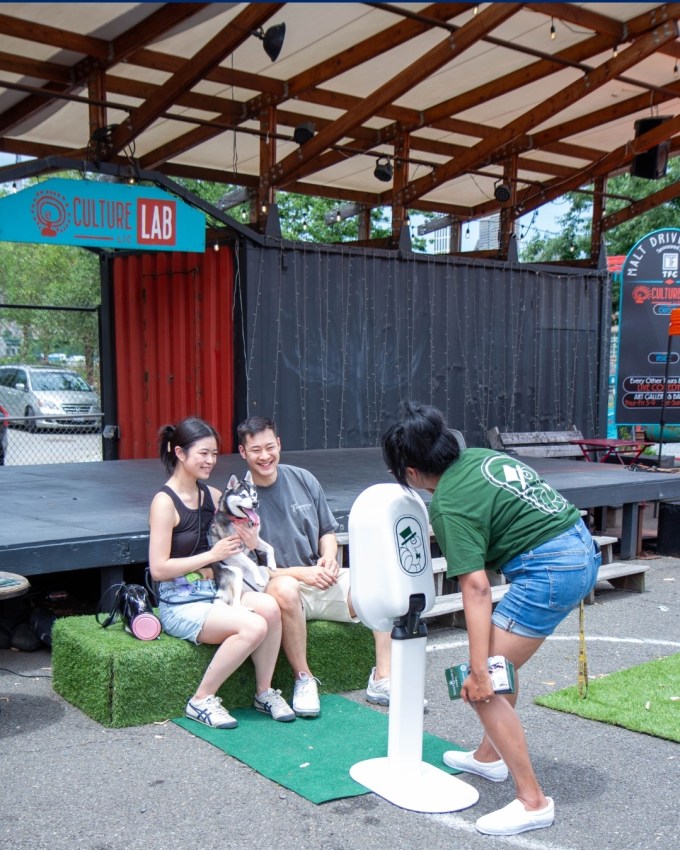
(501, 192)
(383, 169)
(272, 40)
(304, 132)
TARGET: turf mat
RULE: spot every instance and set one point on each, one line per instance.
(644, 699)
(312, 757)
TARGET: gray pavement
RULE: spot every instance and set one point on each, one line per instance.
(69, 783)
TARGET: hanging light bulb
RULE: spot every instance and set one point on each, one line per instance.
(675, 68)
(338, 217)
(476, 9)
(552, 29)
(467, 231)
(305, 226)
(264, 208)
(243, 214)
(216, 247)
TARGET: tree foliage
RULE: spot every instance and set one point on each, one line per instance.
(573, 240)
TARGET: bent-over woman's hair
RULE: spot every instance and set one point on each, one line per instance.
(420, 439)
(184, 434)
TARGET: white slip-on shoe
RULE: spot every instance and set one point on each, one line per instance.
(514, 818)
(495, 771)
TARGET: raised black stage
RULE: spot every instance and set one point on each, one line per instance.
(60, 517)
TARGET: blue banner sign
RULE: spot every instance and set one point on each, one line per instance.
(101, 215)
(650, 290)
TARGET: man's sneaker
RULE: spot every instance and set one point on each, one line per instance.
(210, 712)
(306, 696)
(272, 703)
(378, 691)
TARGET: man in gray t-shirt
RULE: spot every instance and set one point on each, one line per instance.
(308, 583)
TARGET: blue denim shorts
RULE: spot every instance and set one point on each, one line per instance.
(547, 583)
(184, 619)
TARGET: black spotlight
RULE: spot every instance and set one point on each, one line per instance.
(272, 40)
(383, 169)
(501, 192)
(303, 132)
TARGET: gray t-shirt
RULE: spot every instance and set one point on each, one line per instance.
(294, 514)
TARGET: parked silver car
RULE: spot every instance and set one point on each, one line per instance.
(48, 397)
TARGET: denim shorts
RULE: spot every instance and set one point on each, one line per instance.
(184, 619)
(547, 583)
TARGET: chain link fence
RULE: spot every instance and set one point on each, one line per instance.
(50, 408)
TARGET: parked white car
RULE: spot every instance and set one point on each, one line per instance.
(49, 397)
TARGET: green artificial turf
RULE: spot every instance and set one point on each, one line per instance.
(121, 681)
(645, 699)
(313, 757)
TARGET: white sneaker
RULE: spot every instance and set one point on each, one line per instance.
(306, 696)
(210, 712)
(272, 703)
(514, 818)
(378, 691)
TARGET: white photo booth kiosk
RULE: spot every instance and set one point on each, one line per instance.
(392, 585)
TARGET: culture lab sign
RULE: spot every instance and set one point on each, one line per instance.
(650, 289)
(101, 215)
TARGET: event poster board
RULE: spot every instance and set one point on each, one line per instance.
(93, 214)
(650, 289)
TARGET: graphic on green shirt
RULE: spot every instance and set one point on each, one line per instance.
(410, 545)
(523, 482)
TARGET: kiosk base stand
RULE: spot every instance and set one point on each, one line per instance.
(403, 778)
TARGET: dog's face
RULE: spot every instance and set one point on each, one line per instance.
(240, 499)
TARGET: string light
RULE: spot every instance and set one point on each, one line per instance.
(476, 9)
(216, 247)
(616, 49)
(305, 226)
(338, 217)
(552, 29)
(243, 214)
(264, 208)
(467, 231)
(675, 68)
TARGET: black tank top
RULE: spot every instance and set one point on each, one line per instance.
(186, 533)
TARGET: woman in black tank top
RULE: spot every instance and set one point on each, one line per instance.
(180, 559)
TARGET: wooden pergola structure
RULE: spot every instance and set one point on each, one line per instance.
(470, 109)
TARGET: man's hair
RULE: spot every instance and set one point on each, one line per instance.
(254, 425)
(420, 439)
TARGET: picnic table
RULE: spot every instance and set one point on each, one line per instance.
(607, 448)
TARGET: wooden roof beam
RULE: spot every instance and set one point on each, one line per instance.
(616, 159)
(299, 163)
(221, 45)
(552, 106)
(98, 53)
(341, 62)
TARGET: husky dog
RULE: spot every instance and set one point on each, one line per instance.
(237, 505)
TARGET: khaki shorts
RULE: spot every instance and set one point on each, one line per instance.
(330, 604)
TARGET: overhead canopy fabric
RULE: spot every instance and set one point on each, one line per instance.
(471, 103)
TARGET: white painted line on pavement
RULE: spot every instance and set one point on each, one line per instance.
(454, 643)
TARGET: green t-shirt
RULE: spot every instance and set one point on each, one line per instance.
(489, 507)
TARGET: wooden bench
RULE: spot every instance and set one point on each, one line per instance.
(536, 443)
(449, 600)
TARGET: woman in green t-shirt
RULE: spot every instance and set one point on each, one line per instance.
(489, 510)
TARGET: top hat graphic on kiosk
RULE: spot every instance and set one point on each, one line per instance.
(392, 585)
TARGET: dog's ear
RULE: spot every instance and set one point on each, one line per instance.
(233, 481)
(248, 478)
